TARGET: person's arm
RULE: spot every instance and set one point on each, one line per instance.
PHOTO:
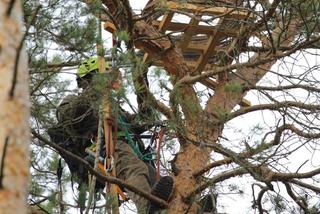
(134, 123)
(77, 115)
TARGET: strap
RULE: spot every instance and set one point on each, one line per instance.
(132, 143)
(160, 138)
(102, 168)
(119, 190)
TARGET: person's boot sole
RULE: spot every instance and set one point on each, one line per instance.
(162, 189)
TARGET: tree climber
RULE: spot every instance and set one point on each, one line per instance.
(77, 128)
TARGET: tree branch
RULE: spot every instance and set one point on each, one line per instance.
(282, 88)
(218, 178)
(101, 177)
(273, 106)
(252, 151)
(300, 201)
(259, 199)
(305, 185)
(250, 64)
(262, 172)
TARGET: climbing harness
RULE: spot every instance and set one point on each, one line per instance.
(106, 165)
(110, 129)
(133, 144)
(104, 170)
(149, 156)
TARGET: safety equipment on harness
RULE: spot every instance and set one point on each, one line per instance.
(133, 144)
(103, 169)
(88, 66)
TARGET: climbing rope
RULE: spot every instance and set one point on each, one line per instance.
(133, 144)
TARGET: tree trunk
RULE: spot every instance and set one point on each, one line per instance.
(200, 125)
(14, 111)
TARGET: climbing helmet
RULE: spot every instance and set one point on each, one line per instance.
(88, 66)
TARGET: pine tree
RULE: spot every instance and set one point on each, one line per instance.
(260, 58)
(14, 106)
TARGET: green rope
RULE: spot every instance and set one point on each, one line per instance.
(133, 144)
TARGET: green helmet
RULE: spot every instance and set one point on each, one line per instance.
(88, 66)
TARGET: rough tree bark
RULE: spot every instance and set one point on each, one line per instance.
(14, 111)
(191, 156)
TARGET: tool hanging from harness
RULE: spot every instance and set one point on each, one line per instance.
(111, 123)
(146, 155)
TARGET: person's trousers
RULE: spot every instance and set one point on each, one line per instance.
(133, 171)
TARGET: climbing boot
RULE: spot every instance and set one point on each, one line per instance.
(162, 189)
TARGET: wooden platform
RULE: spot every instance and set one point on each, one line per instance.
(199, 41)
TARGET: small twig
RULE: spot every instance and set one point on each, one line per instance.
(42, 209)
(301, 166)
(305, 185)
(218, 178)
(259, 199)
(35, 203)
(41, 82)
(299, 200)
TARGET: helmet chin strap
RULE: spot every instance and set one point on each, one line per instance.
(84, 82)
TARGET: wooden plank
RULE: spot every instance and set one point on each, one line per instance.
(191, 64)
(245, 103)
(198, 44)
(216, 11)
(162, 29)
(109, 26)
(200, 29)
(199, 48)
(187, 36)
(209, 83)
(165, 22)
(212, 43)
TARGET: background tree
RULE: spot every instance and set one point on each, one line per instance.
(56, 39)
(268, 57)
(14, 107)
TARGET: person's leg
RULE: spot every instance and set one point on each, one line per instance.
(134, 171)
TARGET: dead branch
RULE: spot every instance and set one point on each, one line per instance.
(300, 201)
